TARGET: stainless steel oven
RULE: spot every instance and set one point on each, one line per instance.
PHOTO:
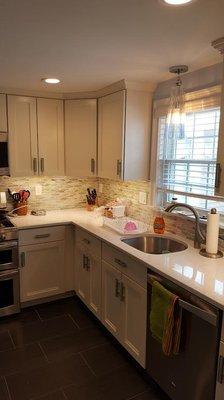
(4, 162)
(9, 271)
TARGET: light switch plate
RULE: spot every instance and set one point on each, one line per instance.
(142, 198)
(100, 188)
(38, 189)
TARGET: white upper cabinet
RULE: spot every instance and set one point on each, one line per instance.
(50, 136)
(124, 135)
(3, 114)
(23, 155)
(36, 138)
(81, 137)
(111, 135)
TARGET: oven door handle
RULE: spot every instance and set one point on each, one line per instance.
(8, 245)
(4, 275)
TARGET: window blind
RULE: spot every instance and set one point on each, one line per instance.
(186, 164)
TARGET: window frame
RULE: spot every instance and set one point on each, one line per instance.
(160, 109)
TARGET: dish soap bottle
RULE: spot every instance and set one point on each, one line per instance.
(159, 224)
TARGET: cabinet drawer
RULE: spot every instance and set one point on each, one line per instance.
(41, 235)
(89, 241)
(125, 264)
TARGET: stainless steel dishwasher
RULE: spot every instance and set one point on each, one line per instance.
(190, 375)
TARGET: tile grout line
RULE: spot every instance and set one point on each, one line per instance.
(64, 394)
(137, 395)
(75, 323)
(7, 387)
(87, 364)
(43, 352)
(38, 315)
(13, 343)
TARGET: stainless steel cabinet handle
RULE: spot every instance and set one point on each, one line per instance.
(84, 261)
(34, 164)
(121, 263)
(218, 175)
(119, 168)
(122, 293)
(23, 259)
(86, 241)
(44, 235)
(92, 165)
(117, 288)
(220, 374)
(87, 263)
(42, 164)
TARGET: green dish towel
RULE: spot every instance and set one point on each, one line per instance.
(161, 301)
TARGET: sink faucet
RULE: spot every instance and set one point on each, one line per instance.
(199, 237)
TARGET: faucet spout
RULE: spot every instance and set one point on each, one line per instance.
(199, 235)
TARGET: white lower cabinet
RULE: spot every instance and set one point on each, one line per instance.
(42, 270)
(124, 305)
(88, 278)
(111, 304)
(134, 301)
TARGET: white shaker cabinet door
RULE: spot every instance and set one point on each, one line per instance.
(111, 303)
(111, 117)
(23, 155)
(42, 270)
(134, 300)
(82, 276)
(81, 137)
(50, 136)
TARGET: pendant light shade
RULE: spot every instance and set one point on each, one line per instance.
(176, 114)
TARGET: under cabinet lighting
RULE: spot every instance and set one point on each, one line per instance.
(177, 2)
(51, 80)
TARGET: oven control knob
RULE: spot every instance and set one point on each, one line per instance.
(2, 237)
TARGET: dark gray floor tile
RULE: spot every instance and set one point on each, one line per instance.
(52, 396)
(5, 341)
(104, 359)
(3, 390)
(42, 330)
(120, 384)
(28, 357)
(26, 316)
(72, 343)
(56, 308)
(151, 394)
(43, 380)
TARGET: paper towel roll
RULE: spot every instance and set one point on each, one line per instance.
(212, 235)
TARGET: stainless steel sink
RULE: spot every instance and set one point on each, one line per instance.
(155, 244)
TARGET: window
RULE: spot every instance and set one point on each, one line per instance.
(186, 163)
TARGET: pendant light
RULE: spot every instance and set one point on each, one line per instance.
(176, 114)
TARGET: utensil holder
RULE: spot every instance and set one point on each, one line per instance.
(22, 208)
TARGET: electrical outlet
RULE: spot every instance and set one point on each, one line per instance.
(100, 188)
(142, 198)
(38, 190)
(3, 197)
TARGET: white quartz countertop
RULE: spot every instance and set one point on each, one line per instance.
(202, 276)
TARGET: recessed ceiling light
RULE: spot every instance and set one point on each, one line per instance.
(51, 80)
(177, 2)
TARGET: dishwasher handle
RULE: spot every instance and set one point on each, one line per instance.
(207, 316)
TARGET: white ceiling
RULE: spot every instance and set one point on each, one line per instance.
(89, 44)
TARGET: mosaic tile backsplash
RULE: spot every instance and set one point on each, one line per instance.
(67, 192)
(57, 193)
